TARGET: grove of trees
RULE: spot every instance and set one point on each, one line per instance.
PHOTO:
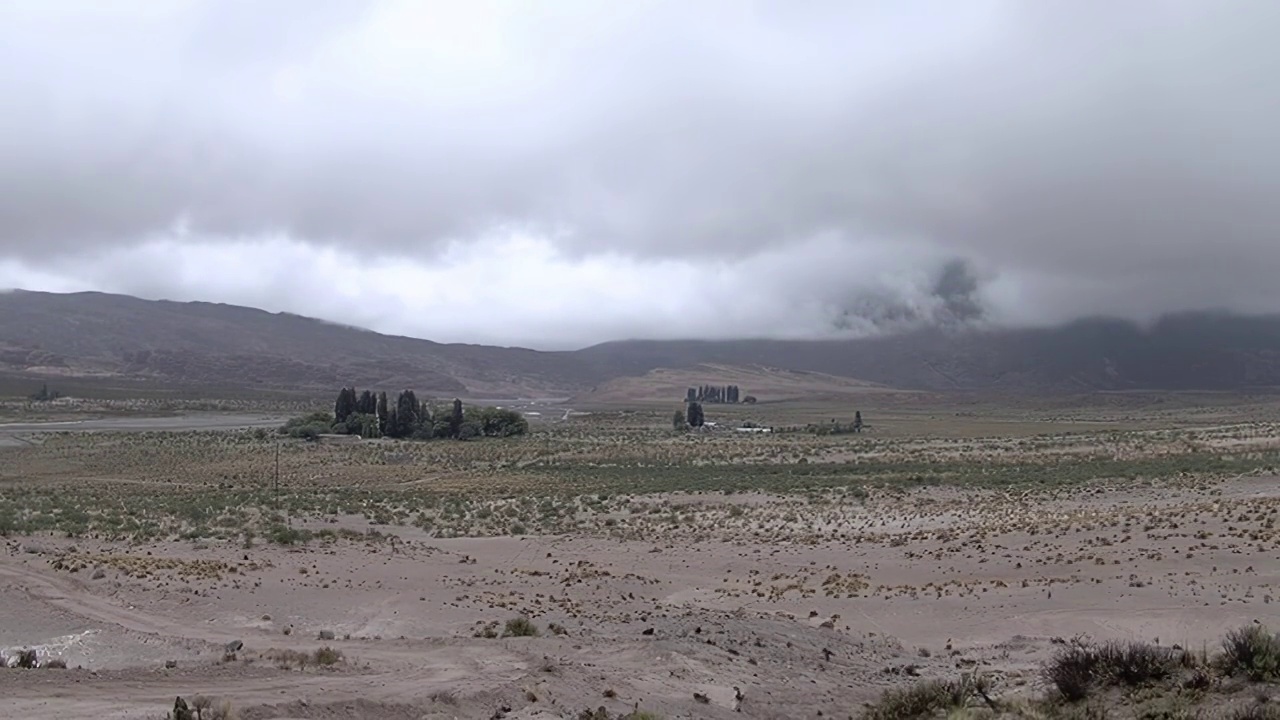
(373, 416)
(714, 394)
(45, 394)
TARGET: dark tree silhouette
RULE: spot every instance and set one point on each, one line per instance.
(455, 419)
(406, 415)
(696, 418)
(345, 406)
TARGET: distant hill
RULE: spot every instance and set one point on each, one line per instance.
(115, 339)
(764, 382)
(1193, 351)
(208, 345)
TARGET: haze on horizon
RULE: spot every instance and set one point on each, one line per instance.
(558, 174)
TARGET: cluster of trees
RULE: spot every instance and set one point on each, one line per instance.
(45, 394)
(373, 416)
(714, 394)
(838, 428)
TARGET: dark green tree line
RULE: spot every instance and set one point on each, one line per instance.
(720, 394)
(373, 416)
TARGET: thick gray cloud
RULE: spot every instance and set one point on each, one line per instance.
(836, 166)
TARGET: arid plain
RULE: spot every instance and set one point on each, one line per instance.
(606, 566)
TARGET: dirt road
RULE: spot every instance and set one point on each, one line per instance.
(190, 421)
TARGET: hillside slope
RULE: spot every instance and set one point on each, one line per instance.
(203, 345)
(670, 384)
(1194, 351)
(212, 345)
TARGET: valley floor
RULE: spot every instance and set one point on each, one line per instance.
(738, 619)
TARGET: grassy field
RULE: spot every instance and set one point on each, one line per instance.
(592, 471)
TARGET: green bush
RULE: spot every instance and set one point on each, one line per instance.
(922, 700)
(285, 535)
(326, 656)
(520, 627)
(308, 427)
(1252, 651)
(1073, 671)
(1136, 663)
(1079, 667)
(497, 422)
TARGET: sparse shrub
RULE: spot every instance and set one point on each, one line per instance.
(921, 700)
(1199, 679)
(203, 708)
(1252, 651)
(520, 627)
(285, 535)
(1073, 671)
(55, 664)
(602, 713)
(444, 697)
(1080, 667)
(286, 659)
(1135, 663)
(1252, 712)
(1086, 711)
(326, 656)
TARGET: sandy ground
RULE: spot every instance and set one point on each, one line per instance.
(929, 583)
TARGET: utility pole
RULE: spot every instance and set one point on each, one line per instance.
(277, 479)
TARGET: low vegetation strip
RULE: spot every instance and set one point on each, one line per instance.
(1087, 681)
(222, 484)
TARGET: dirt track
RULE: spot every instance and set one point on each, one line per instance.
(190, 421)
(19, 434)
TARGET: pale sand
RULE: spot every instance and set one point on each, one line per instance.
(935, 582)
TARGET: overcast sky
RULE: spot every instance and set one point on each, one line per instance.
(557, 173)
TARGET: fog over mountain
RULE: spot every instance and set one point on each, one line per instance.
(558, 174)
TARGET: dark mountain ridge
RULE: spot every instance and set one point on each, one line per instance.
(197, 344)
